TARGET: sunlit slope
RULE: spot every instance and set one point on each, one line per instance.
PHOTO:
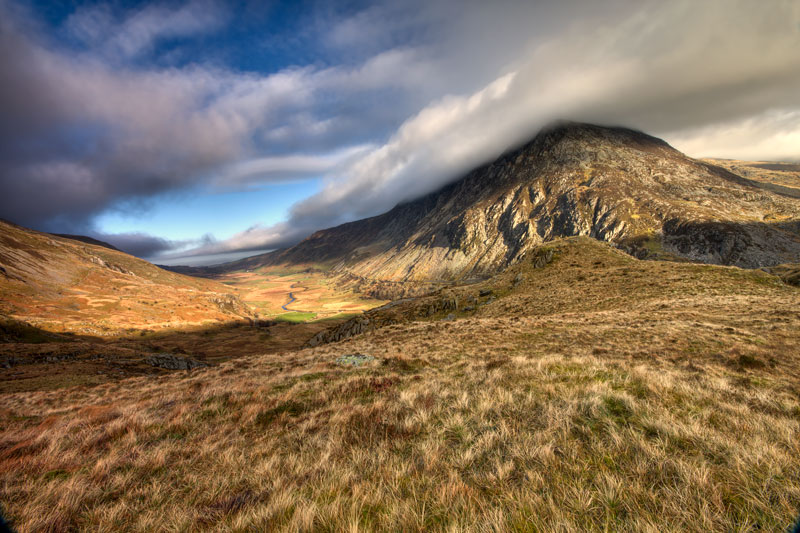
(65, 285)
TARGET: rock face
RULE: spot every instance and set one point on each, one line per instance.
(352, 327)
(612, 184)
(230, 303)
(173, 362)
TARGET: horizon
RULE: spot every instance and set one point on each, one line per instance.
(190, 133)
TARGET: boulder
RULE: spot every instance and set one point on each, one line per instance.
(354, 359)
(173, 362)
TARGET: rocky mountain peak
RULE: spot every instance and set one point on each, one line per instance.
(610, 183)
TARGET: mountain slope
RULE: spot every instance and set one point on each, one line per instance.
(613, 184)
(60, 284)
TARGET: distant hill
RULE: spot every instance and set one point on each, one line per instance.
(63, 284)
(613, 184)
(87, 240)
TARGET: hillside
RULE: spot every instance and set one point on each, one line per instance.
(63, 285)
(580, 390)
(613, 184)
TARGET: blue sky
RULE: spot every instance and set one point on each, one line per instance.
(179, 216)
(185, 131)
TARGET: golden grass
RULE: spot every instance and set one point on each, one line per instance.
(651, 407)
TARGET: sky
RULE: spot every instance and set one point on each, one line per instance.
(200, 131)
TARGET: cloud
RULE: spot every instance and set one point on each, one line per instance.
(139, 244)
(139, 31)
(260, 170)
(80, 134)
(256, 238)
(773, 136)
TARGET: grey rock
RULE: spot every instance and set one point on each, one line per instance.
(485, 292)
(354, 326)
(173, 362)
(354, 359)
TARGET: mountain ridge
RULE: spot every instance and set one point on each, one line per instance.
(611, 183)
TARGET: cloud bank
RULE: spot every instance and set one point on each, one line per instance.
(418, 95)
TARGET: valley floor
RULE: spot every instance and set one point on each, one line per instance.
(599, 393)
(296, 295)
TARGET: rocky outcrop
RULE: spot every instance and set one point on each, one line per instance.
(730, 243)
(116, 268)
(230, 303)
(350, 328)
(789, 274)
(173, 362)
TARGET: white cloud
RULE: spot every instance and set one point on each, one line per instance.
(138, 31)
(773, 136)
(261, 170)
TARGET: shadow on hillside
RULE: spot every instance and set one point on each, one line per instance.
(743, 244)
(741, 180)
(35, 359)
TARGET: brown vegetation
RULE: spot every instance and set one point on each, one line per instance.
(597, 393)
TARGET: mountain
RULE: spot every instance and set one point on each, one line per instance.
(613, 184)
(61, 284)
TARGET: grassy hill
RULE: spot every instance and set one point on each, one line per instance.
(63, 285)
(596, 392)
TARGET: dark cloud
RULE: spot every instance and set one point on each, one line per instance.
(139, 244)
(81, 132)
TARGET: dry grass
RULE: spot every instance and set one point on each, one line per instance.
(43, 361)
(649, 408)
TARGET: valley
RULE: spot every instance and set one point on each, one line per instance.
(77, 313)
